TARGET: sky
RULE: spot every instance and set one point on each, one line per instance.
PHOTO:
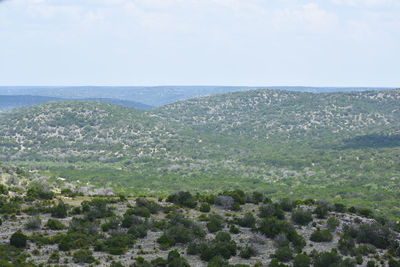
(200, 42)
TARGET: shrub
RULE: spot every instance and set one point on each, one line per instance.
(370, 264)
(54, 257)
(183, 198)
(248, 220)
(3, 189)
(321, 211)
(287, 204)
(175, 260)
(301, 260)
(205, 207)
(215, 223)
(54, 224)
(339, 207)
(325, 259)
(332, 223)
(321, 236)
(59, 211)
(281, 240)
(346, 244)
(33, 223)
(18, 239)
(301, 216)
(247, 252)
(83, 256)
(233, 229)
(283, 254)
(375, 234)
(270, 210)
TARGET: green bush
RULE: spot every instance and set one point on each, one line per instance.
(346, 244)
(287, 204)
(59, 210)
(321, 236)
(215, 223)
(205, 207)
(3, 189)
(321, 211)
(332, 223)
(54, 224)
(283, 254)
(301, 260)
(247, 252)
(183, 198)
(33, 223)
(301, 216)
(324, 259)
(83, 256)
(271, 210)
(248, 220)
(18, 239)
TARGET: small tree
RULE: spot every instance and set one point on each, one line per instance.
(18, 239)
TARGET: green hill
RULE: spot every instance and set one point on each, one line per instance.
(339, 146)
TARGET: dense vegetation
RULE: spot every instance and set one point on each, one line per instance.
(238, 229)
(342, 147)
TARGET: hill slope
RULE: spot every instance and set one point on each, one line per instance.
(8, 102)
(339, 146)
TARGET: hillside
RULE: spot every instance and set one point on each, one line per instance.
(153, 95)
(232, 229)
(8, 102)
(338, 146)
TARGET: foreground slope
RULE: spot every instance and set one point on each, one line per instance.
(341, 146)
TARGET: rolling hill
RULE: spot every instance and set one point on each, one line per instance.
(8, 102)
(339, 146)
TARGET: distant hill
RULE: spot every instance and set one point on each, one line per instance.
(339, 146)
(8, 102)
(155, 95)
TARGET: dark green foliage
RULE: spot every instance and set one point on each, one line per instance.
(375, 234)
(118, 243)
(234, 230)
(96, 208)
(59, 211)
(205, 207)
(83, 256)
(150, 205)
(175, 260)
(39, 191)
(247, 252)
(283, 254)
(324, 259)
(321, 211)
(271, 209)
(54, 224)
(215, 223)
(248, 220)
(371, 264)
(346, 244)
(222, 245)
(321, 236)
(3, 189)
(275, 263)
(301, 216)
(287, 204)
(183, 198)
(111, 223)
(332, 223)
(270, 227)
(33, 223)
(365, 212)
(339, 207)
(393, 263)
(238, 196)
(18, 239)
(54, 257)
(179, 231)
(301, 260)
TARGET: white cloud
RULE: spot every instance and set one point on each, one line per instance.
(368, 3)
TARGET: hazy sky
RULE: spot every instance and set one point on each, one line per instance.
(200, 42)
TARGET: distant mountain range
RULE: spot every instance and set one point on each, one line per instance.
(156, 95)
(8, 102)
